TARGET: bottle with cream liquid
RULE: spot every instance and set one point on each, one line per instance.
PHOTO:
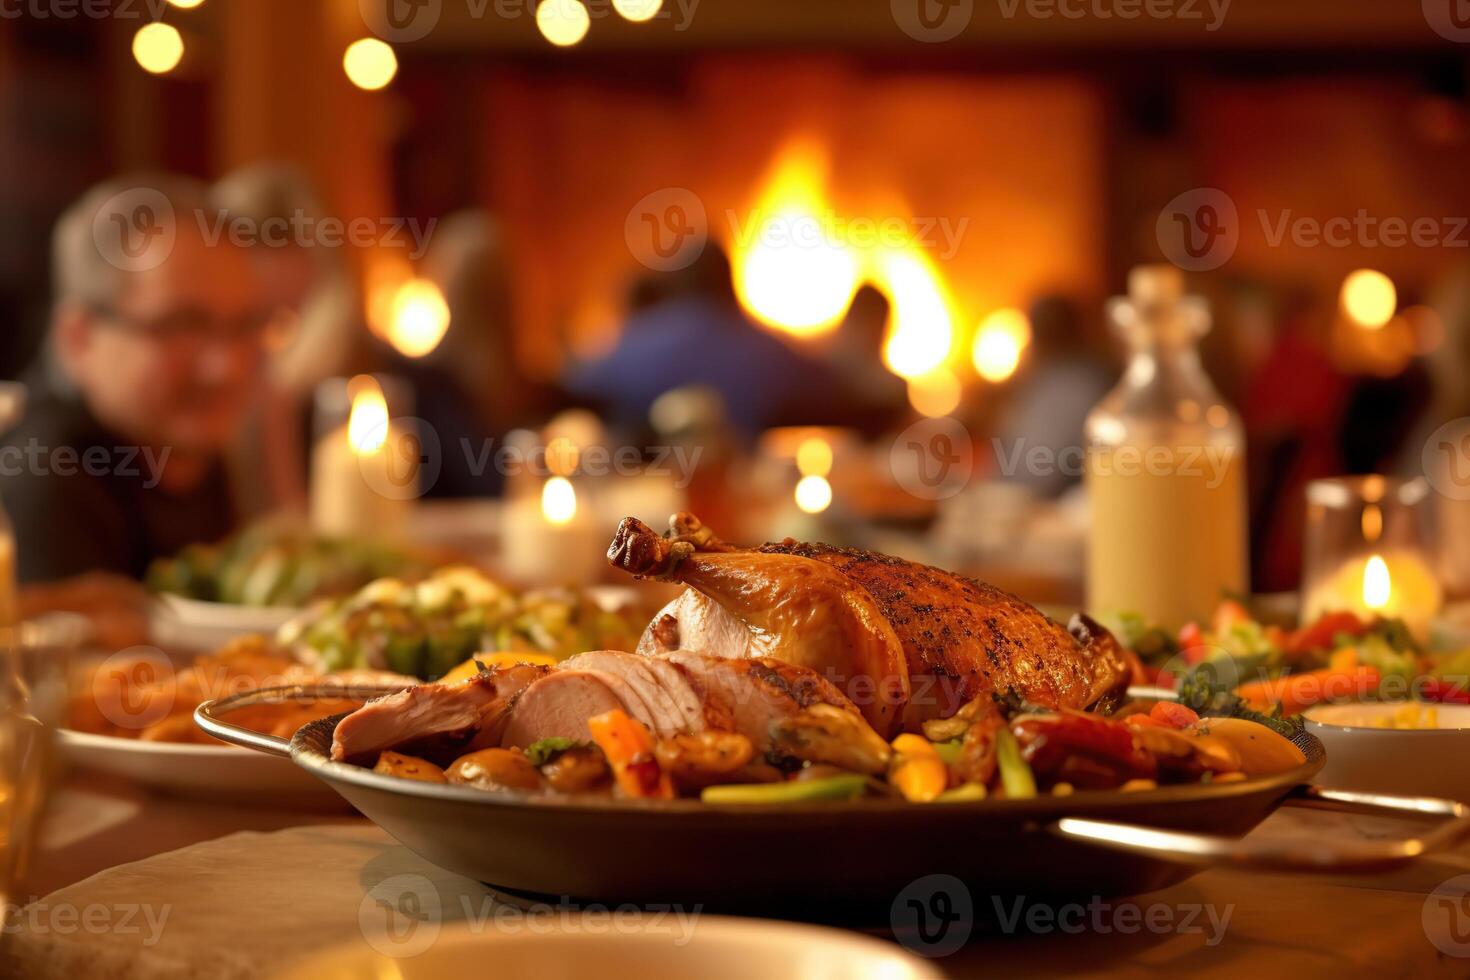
(1165, 467)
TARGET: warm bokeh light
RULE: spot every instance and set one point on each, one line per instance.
(558, 500)
(367, 424)
(1369, 298)
(936, 393)
(420, 318)
(813, 494)
(158, 48)
(186, 4)
(1377, 587)
(563, 22)
(789, 273)
(638, 11)
(922, 331)
(814, 457)
(370, 63)
(999, 343)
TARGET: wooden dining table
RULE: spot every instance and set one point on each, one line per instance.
(242, 892)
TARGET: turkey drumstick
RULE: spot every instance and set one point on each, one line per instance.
(906, 642)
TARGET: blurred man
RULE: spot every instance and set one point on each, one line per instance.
(156, 346)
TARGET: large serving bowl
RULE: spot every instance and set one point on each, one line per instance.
(841, 861)
(1414, 761)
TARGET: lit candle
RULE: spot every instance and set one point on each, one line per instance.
(356, 490)
(1393, 585)
(552, 539)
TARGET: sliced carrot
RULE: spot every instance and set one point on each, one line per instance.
(1172, 714)
(629, 750)
(1142, 721)
(1296, 692)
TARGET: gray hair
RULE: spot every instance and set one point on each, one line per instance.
(81, 269)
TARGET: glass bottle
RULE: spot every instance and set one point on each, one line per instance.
(1165, 467)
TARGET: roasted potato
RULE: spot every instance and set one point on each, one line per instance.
(408, 767)
(494, 769)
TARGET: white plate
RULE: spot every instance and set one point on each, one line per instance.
(617, 946)
(190, 624)
(1404, 761)
(205, 772)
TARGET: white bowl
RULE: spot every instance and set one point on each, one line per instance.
(713, 948)
(1407, 762)
(190, 624)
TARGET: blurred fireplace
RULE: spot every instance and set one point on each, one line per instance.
(1000, 175)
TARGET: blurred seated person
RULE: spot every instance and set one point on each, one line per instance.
(469, 389)
(155, 345)
(1060, 381)
(308, 288)
(695, 333)
(877, 399)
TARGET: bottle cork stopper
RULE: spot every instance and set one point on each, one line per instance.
(1155, 285)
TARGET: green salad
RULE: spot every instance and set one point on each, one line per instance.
(428, 628)
(276, 566)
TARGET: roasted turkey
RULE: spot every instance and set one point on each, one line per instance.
(906, 642)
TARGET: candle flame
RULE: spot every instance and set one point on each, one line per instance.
(813, 494)
(1377, 586)
(367, 425)
(559, 500)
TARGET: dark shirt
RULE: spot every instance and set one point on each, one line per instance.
(82, 499)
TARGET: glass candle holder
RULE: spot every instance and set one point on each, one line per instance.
(1369, 550)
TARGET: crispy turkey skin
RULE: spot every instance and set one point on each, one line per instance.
(907, 642)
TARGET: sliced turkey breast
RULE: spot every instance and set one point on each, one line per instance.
(433, 710)
(559, 704)
(673, 705)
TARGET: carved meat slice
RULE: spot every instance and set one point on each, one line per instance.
(451, 711)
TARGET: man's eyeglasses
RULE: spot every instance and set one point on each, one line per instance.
(194, 329)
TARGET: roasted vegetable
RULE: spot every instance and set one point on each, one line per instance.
(407, 767)
(578, 769)
(792, 791)
(494, 769)
(1015, 774)
(630, 751)
(1262, 752)
(916, 769)
(705, 758)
